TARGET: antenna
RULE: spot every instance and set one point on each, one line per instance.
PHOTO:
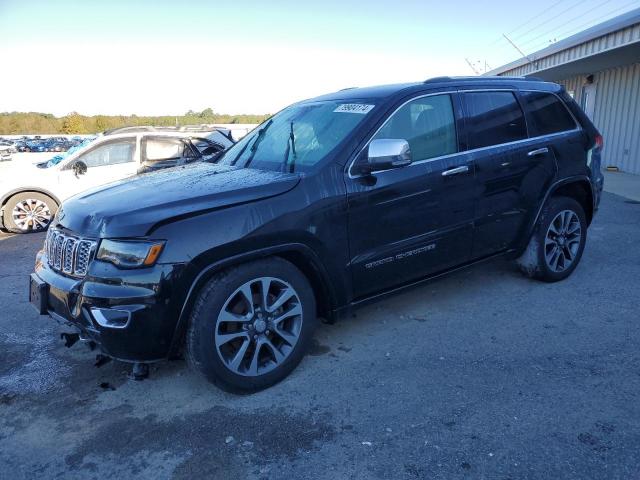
(471, 66)
(520, 51)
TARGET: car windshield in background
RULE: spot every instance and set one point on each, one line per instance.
(298, 137)
(58, 158)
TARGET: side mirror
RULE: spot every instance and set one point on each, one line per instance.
(387, 153)
(79, 168)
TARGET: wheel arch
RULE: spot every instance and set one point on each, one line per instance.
(300, 255)
(7, 196)
(582, 192)
(576, 187)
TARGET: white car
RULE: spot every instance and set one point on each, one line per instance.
(6, 149)
(30, 193)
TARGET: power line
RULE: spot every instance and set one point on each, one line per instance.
(546, 10)
(535, 17)
(580, 27)
(533, 39)
(506, 42)
(556, 16)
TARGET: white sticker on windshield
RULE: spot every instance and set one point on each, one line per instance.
(360, 108)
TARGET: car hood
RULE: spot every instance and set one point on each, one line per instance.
(131, 208)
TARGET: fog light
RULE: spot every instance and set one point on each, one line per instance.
(109, 318)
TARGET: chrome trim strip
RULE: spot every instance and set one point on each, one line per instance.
(474, 150)
(103, 322)
(537, 151)
(63, 253)
(456, 171)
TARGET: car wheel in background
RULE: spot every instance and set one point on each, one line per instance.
(29, 212)
(556, 246)
(251, 325)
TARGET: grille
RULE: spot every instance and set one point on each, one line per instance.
(68, 254)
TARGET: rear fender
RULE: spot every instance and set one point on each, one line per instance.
(567, 185)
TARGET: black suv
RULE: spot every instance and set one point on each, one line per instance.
(331, 203)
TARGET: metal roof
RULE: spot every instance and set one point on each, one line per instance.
(617, 23)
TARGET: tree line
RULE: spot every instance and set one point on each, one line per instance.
(22, 123)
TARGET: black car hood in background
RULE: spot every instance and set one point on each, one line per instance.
(130, 208)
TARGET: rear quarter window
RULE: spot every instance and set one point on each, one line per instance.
(493, 118)
(548, 113)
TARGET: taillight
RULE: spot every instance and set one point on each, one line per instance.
(599, 141)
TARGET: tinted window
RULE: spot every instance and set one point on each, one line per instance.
(427, 123)
(493, 118)
(111, 153)
(548, 113)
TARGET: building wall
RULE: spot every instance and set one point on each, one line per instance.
(608, 42)
(616, 114)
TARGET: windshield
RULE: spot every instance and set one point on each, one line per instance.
(298, 137)
(58, 158)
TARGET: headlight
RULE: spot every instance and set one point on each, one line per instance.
(130, 253)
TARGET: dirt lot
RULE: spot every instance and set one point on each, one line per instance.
(483, 374)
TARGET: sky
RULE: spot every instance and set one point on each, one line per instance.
(166, 57)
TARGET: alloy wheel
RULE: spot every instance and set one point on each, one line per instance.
(562, 241)
(31, 214)
(258, 326)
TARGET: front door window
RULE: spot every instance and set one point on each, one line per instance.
(427, 124)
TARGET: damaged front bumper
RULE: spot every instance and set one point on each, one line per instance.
(127, 314)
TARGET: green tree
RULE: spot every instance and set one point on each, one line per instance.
(72, 123)
(102, 123)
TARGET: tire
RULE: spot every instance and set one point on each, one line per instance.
(267, 342)
(558, 241)
(18, 208)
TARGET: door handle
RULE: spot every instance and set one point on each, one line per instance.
(538, 151)
(455, 171)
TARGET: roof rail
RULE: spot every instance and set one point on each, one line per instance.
(348, 88)
(150, 128)
(480, 78)
(437, 79)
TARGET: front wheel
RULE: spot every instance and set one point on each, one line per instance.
(29, 212)
(556, 246)
(251, 325)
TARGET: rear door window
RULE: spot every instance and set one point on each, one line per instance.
(548, 113)
(493, 118)
(158, 149)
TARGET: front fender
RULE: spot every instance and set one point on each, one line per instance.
(200, 275)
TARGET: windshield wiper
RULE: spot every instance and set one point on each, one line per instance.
(254, 145)
(291, 146)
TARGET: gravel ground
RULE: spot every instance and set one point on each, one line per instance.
(483, 374)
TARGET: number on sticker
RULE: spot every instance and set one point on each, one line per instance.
(360, 108)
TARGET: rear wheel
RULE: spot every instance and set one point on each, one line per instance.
(29, 212)
(251, 325)
(556, 246)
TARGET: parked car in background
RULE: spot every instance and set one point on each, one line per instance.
(6, 149)
(333, 202)
(31, 193)
(21, 145)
